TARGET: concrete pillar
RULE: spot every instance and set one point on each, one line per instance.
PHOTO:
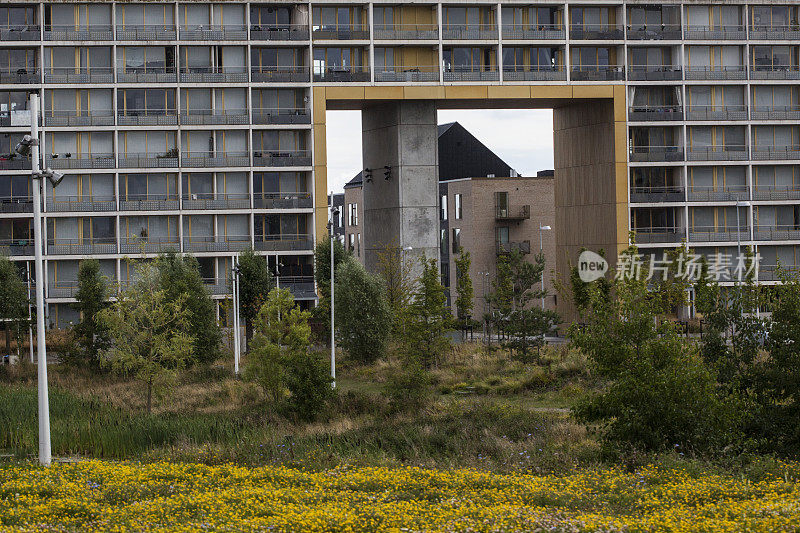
(401, 210)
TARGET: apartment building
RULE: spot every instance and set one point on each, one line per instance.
(200, 126)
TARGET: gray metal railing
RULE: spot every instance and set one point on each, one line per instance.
(341, 73)
(656, 153)
(21, 75)
(146, 32)
(401, 73)
(775, 72)
(16, 247)
(657, 194)
(282, 200)
(654, 72)
(79, 75)
(61, 203)
(146, 75)
(147, 117)
(596, 31)
(715, 33)
(149, 244)
(720, 233)
(57, 118)
(774, 232)
(284, 242)
(81, 246)
(217, 286)
(16, 204)
(471, 73)
(14, 162)
(213, 74)
(533, 31)
(523, 247)
(486, 32)
(775, 112)
(761, 152)
(285, 115)
(732, 152)
(71, 161)
(168, 159)
(220, 159)
(216, 243)
(658, 235)
(282, 158)
(406, 32)
(534, 72)
(776, 192)
(717, 72)
(216, 201)
(665, 32)
(213, 32)
(214, 117)
(19, 32)
(279, 32)
(71, 32)
(280, 73)
(644, 113)
(776, 32)
(340, 32)
(717, 194)
(716, 112)
(597, 73)
(148, 202)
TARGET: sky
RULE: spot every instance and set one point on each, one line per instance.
(523, 138)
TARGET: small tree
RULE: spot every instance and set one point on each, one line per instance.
(397, 276)
(464, 290)
(150, 333)
(91, 298)
(13, 301)
(429, 318)
(363, 318)
(255, 282)
(322, 275)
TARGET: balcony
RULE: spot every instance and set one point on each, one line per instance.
(471, 73)
(502, 248)
(282, 200)
(407, 74)
(355, 32)
(226, 32)
(718, 153)
(649, 154)
(643, 113)
(73, 161)
(211, 74)
(19, 75)
(597, 73)
(776, 233)
(718, 194)
(596, 32)
(62, 204)
(534, 73)
(214, 117)
(65, 118)
(17, 117)
(94, 32)
(217, 286)
(775, 33)
(168, 159)
(536, 32)
(218, 201)
(284, 243)
(302, 287)
(713, 73)
(149, 202)
(281, 158)
(208, 160)
(789, 112)
(14, 162)
(279, 32)
(719, 233)
(772, 272)
(210, 243)
(776, 72)
(777, 192)
(656, 194)
(16, 247)
(146, 75)
(716, 33)
(764, 153)
(81, 246)
(406, 32)
(19, 32)
(658, 32)
(16, 204)
(658, 235)
(62, 289)
(716, 112)
(342, 73)
(149, 245)
(654, 73)
(276, 115)
(149, 32)
(519, 213)
(79, 75)
(471, 32)
(280, 74)
(148, 117)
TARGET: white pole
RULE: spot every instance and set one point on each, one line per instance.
(44, 404)
(30, 316)
(541, 251)
(236, 340)
(333, 338)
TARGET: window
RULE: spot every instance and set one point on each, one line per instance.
(358, 244)
(443, 241)
(445, 277)
(459, 207)
(456, 240)
(351, 241)
(502, 234)
(443, 207)
(352, 214)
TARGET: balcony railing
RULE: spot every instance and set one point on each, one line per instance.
(146, 75)
(406, 32)
(455, 32)
(664, 32)
(17, 117)
(79, 75)
(718, 194)
(279, 73)
(216, 243)
(93, 32)
(277, 115)
(212, 74)
(523, 247)
(14, 162)
(644, 113)
(761, 153)
(282, 200)
(534, 72)
(19, 32)
(719, 233)
(221, 159)
(341, 73)
(168, 159)
(216, 201)
(595, 32)
(774, 33)
(762, 112)
(70, 161)
(147, 117)
(149, 244)
(217, 286)
(340, 33)
(522, 212)
(284, 242)
(281, 158)
(62, 289)
(656, 153)
(775, 72)
(301, 286)
(524, 32)
(776, 192)
(225, 117)
(62, 203)
(771, 272)
(654, 72)
(279, 32)
(720, 72)
(213, 32)
(715, 33)
(16, 204)
(658, 235)
(787, 232)
(397, 73)
(716, 112)
(471, 73)
(81, 246)
(23, 75)
(147, 32)
(148, 202)
(16, 247)
(99, 117)
(733, 152)
(597, 73)
(657, 194)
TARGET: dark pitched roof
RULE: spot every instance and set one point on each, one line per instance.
(357, 181)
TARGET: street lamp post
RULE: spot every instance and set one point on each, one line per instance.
(334, 212)
(236, 331)
(541, 251)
